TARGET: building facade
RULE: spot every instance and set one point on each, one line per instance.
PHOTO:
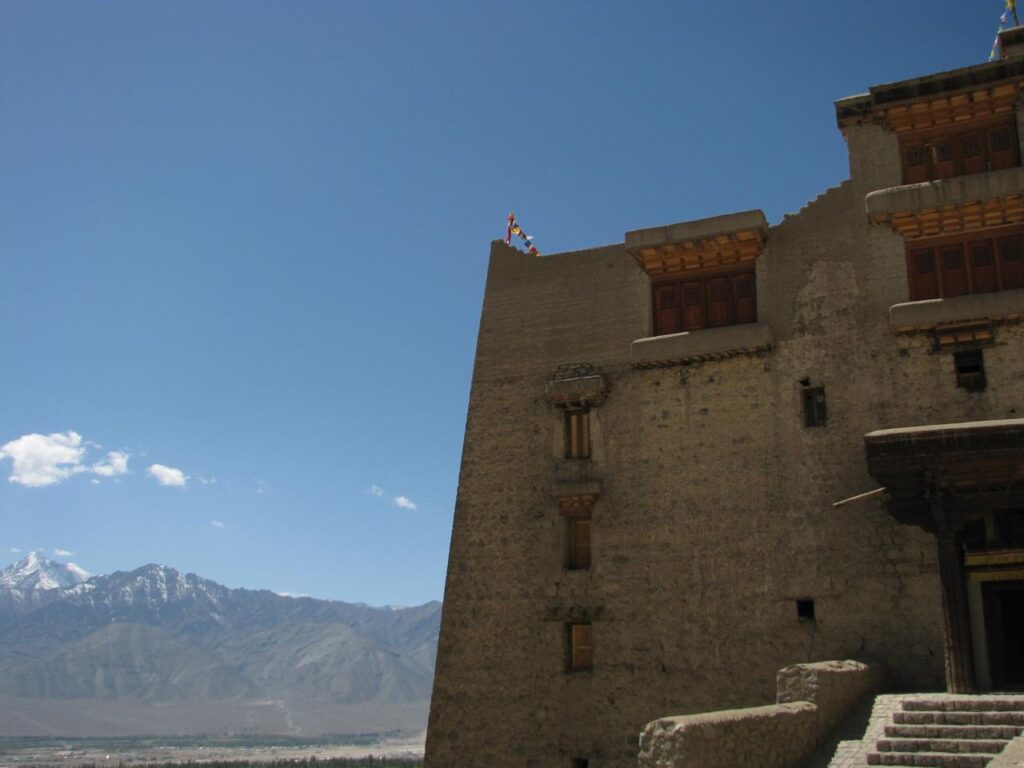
(659, 431)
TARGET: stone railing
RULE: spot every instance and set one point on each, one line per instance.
(812, 700)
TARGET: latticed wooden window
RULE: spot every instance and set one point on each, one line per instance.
(712, 300)
(914, 155)
(581, 647)
(954, 275)
(973, 145)
(956, 266)
(577, 434)
(983, 268)
(924, 283)
(1011, 263)
(942, 155)
(924, 262)
(999, 139)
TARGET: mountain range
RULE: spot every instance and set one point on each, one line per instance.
(156, 652)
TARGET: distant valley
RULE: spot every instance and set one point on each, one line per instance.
(157, 652)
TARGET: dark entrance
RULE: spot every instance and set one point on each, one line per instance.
(1004, 625)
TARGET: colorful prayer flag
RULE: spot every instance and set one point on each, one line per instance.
(513, 228)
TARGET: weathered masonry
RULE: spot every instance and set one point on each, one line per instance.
(658, 430)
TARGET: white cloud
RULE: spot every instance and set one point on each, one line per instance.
(116, 464)
(207, 480)
(217, 524)
(167, 475)
(404, 503)
(261, 486)
(41, 460)
(375, 490)
(291, 594)
(15, 550)
(63, 552)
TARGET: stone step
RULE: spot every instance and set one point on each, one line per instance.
(934, 760)
(944, 731)
(959, 718)
(972, 704)
(959, 746)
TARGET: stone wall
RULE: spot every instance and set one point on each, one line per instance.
(714, 514)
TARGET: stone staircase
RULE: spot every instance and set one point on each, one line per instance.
(948, 731)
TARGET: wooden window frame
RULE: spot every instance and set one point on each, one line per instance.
(672, 308)
(577, 433)
(580, 639)
(969, 365)
(815, 407)
(920, 159)
(1004, 270)
(578, 550)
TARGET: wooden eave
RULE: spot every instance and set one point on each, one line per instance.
(953, 109)
(945, 99)
(953, 218)
(950, 458)
(722, 250)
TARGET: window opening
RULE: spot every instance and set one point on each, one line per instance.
(805, 609)
(957, 266)
(698, 302)
(581, 648)
(970, 370)
(1009, 527)
(577, 434)
(815, 410)
(943, 155)
(580, 762)
(579, 543)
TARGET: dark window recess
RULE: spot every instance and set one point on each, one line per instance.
(581, 647)
(700, 302)
(956, 268)
(973, 535)
(579, 543)
(970, 370)
(805, 609)
(577, 434)
(815, 411)
(580, 762)
(1009, 527)
(943, 155)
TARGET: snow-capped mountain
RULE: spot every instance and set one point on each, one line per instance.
(26, 581)
(183, 654)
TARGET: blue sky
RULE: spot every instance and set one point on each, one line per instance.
(245, 242)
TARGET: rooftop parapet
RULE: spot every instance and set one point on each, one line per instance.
(717, 241)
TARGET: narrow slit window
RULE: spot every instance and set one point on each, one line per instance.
(815, 410)
(579, 762)
(970, 370)
(579, 543)
(581, 648)
(577, 434)
(805, 609)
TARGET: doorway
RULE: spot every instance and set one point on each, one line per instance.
(1004, 625)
